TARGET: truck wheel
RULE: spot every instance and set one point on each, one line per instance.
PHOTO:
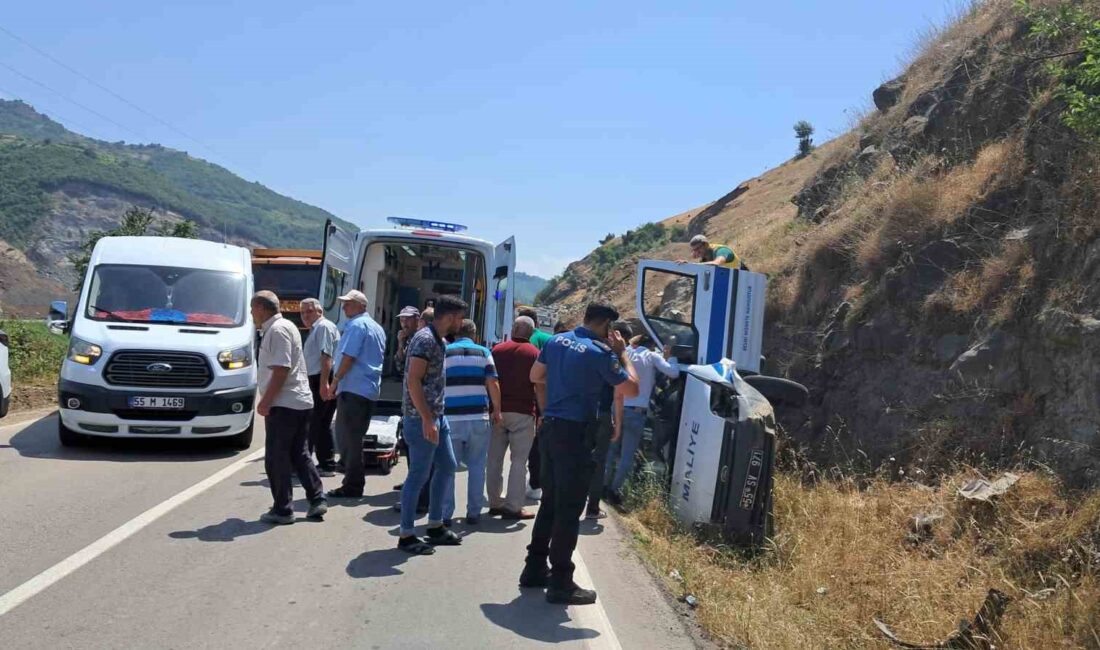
(68, 437)
(243, 440)
(779, 391)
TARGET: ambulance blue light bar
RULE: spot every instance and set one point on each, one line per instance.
(426, 224)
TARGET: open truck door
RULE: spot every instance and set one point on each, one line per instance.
(704, 313)
(721, 446)
(337, 269)
(502, 293)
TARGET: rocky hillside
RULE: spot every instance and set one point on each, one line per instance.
(57, 186)
(935, 273)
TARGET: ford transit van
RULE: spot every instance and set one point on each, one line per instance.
(161, 343)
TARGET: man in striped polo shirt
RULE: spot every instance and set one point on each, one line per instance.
(472, 393)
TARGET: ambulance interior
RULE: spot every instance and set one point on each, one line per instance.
(413, 272)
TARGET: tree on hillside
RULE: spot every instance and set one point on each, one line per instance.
(135, 223)
(804, 131)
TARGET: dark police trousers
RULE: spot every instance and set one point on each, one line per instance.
(568, 451)
(605, 430)
(322, 440)
(285, 440)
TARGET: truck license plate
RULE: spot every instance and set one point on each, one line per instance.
(169, 403)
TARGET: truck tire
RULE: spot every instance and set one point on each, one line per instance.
(779, 391)
(243, 440)
(68, 437)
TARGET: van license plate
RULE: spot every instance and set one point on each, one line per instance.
(169, 403)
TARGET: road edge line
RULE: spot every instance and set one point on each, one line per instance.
(594, 617)
(45, 579)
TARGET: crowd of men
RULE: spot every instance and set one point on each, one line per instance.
(566, 409)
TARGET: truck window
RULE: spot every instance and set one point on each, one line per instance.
(668, 302)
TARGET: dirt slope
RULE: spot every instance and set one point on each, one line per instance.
(935, 273)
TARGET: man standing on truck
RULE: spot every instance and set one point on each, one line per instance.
(426, 431)
(569, 377)
(285, 404)
(713, 254)
(356, 384)
(319, 349)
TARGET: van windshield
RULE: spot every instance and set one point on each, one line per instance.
(166, 294)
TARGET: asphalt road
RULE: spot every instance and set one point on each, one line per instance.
(158, 545)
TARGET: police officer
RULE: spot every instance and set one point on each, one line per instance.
(572, 371)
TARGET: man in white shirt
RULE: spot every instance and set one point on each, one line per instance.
(285, 404)
(620, 458)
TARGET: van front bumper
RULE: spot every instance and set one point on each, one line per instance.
(98, 411)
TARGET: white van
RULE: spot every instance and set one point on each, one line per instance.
(412, 264)
(161, 343)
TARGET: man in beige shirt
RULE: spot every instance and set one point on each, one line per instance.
(286, 404)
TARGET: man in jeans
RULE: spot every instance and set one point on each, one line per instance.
(471, 393)
(569, 377)
(513, 359)
(285, 404)
(426, 431)
(647, 364)
(319, 350)
(356, 384)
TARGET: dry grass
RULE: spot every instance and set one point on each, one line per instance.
(843, 555)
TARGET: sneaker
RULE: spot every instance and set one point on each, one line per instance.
(271, 517)
(317, 509)
(570, 596)
(534, 495)
(595, 514)
(473, 520)
(341, 493)
(326, 473)
(534, 576)
(615, 498)
(496, 512)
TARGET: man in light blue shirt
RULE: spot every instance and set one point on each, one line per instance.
(356, 384)
(647, 363)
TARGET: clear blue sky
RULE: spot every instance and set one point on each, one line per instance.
(558, 122)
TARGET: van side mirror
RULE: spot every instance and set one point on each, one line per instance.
(57, 320)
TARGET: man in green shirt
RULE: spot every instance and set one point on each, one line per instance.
(539, 338)
(713, 254)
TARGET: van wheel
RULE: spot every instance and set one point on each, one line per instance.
(68, 437)
(243, 440)
(779, 391)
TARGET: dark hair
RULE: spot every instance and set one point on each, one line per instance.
(530, 313)
(560, 327)
(598, 311)
(449, 305)
(622, 327)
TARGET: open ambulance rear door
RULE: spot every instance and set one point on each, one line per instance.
(502, 292)
(337, 268)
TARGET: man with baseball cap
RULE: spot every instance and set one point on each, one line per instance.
(356, 384)
(409, 318)
(713, 254)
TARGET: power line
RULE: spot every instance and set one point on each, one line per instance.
(73, 101)
(105, 89)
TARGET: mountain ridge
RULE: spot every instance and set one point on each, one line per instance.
(58, 186)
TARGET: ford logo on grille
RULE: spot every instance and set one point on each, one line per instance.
(159, 368)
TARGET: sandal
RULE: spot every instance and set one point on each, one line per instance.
(414, 546)
(443, 536)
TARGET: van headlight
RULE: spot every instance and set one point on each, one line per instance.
(83, 352)
(237, 358)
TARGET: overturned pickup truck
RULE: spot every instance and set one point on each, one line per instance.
(713, 429)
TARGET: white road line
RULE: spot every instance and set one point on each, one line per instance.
(40, 582)
(592, 617)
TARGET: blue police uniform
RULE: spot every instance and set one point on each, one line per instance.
(580, 369)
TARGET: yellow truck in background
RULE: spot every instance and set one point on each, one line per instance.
(292, 273)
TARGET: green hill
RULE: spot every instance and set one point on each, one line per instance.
(40, 158)
(527, 287)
